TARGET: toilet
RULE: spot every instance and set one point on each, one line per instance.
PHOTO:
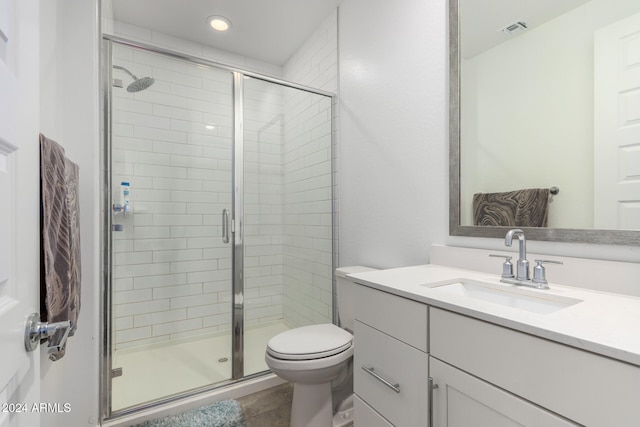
(311, 357)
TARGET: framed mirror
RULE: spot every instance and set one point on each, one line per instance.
(546, 95)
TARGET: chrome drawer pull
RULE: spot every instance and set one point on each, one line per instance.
(370, 371)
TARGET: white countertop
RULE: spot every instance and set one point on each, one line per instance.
(604, 323)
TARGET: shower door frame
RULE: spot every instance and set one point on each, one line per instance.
(237, 285)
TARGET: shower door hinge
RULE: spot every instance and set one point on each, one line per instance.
(117, 372)
(233, 225)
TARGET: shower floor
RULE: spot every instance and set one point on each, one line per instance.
(159, 370)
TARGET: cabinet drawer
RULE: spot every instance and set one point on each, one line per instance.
(584, 387)
(398, 364)
(365, 416)
(399, 317)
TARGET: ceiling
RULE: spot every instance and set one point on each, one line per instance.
(479, 34)
(267, 30)
(272, 30)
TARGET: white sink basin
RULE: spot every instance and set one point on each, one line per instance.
(509, 296)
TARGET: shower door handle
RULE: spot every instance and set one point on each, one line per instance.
(226, 220)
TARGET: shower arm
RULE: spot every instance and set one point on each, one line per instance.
(119, 67)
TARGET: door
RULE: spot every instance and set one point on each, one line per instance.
(283, 214)
(19, 212)
(227, 238)
(461, 400)
(617, 125)
(171, 172)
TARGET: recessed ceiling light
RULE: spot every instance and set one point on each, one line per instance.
(219, 23)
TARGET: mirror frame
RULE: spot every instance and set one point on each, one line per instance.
(605, 237)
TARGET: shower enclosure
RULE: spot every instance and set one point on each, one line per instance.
(218, 222)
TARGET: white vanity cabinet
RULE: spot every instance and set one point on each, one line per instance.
(485, 370)
(390, 361)
(462, 400)
(484, 374)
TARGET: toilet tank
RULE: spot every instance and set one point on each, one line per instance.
(344, 293)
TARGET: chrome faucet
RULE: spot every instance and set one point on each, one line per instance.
(522, 265)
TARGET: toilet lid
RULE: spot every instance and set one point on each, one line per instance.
(309, 342)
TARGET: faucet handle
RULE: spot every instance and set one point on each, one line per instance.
(539, 272)
(507, 266)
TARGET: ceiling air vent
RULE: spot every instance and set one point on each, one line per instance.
(514, 28)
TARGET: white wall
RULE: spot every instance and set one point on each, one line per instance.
(69, 114)
(393, 121)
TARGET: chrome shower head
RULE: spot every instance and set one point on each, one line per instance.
(138, 83)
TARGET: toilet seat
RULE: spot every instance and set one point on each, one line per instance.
(310, 342)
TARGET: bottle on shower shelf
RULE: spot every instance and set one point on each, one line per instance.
(125, 196)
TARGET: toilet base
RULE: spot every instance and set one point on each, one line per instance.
(311, 406)
(344, 413)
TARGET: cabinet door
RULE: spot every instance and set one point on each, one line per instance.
(584, 387)
(365, 416)
(461, 400)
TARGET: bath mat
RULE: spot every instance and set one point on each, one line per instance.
(225, 413)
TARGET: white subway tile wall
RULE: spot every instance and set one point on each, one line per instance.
(263, 195)
(315, 63)
(307, 164)
(172, 273)
(172, 143)
(307, 247)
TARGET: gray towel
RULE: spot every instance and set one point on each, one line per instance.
(520, 208)
(60, 244)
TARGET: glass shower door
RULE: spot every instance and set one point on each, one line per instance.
(287, 221)
(171, 169)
